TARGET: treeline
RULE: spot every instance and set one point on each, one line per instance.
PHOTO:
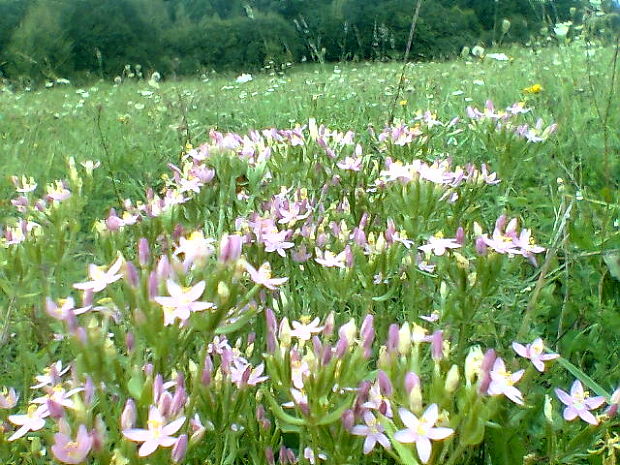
(48, 39)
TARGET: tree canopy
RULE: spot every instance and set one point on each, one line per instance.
(47, 39)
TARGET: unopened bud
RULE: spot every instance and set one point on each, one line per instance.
(348, 419)
(179, 449)
(452, 379)
(404, 339)
(128, 417)
(548, 409)
(223, 292)
(473, 362)
(393, 338)
(144, 253)
(437, 345)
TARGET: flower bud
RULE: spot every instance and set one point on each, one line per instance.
(341, 347)
(130, 341)
(348, 331)
(548, 409)
(385, 385)
(128, 417)
(131, 274)
(284, 333)
(414, 388)
(437, 345)
(158, 387)
(89, 391)
(393, 338)
(271, 325)
(328, 326)
(348, 419)
(269, 457)
(473, 362)
(230, 248)
(179, 449)
(460, 235)
(452, 379)
(144, 253)
(223, 292)
(404, 339)
(207, 371)
(367, 332)
(485, 370)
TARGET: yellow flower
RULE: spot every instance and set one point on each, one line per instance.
(402, 103)
(533, 89)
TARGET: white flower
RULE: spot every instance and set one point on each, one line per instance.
(243, 78)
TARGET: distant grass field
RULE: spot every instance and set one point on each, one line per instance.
(565, 189)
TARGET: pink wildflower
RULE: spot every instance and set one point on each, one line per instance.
(182, 301)
(304, 331)
(66, 450)
(535, 353)
(502, 382)
(157, 434)
(579, 403)
(34, 420)
(438, 245)
(263, 277)
(100, 278)
(373, 431)
(422, 430)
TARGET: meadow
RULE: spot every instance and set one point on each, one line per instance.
(315, 265)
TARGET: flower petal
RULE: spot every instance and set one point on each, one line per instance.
(438, 434)
(405, 436)
(408, 418)
(424, 448)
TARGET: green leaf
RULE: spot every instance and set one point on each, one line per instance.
(388, 295)
(280, 413)
(335, 415)
(134, 386)
(405, 454)
(585, 379)
(240, 323)
(612, 260)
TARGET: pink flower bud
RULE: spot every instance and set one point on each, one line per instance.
(158, 387)
(130, 341)
(128, 417)
(328, 327)
(207, 371)
(98, 434)
(132, 274)
(437, 345)
(89, 391)
(348, 419)
(144, 252)
(272, 325)
(230, 248)
(393, 338)
(460, 235)
(384, 383)
(179, 449)
(412, 381)
(153, 285)
(485, 369)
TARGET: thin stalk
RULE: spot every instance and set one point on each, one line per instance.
(401, 81)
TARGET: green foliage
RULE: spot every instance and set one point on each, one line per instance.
(182, 37)
(40, 47)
